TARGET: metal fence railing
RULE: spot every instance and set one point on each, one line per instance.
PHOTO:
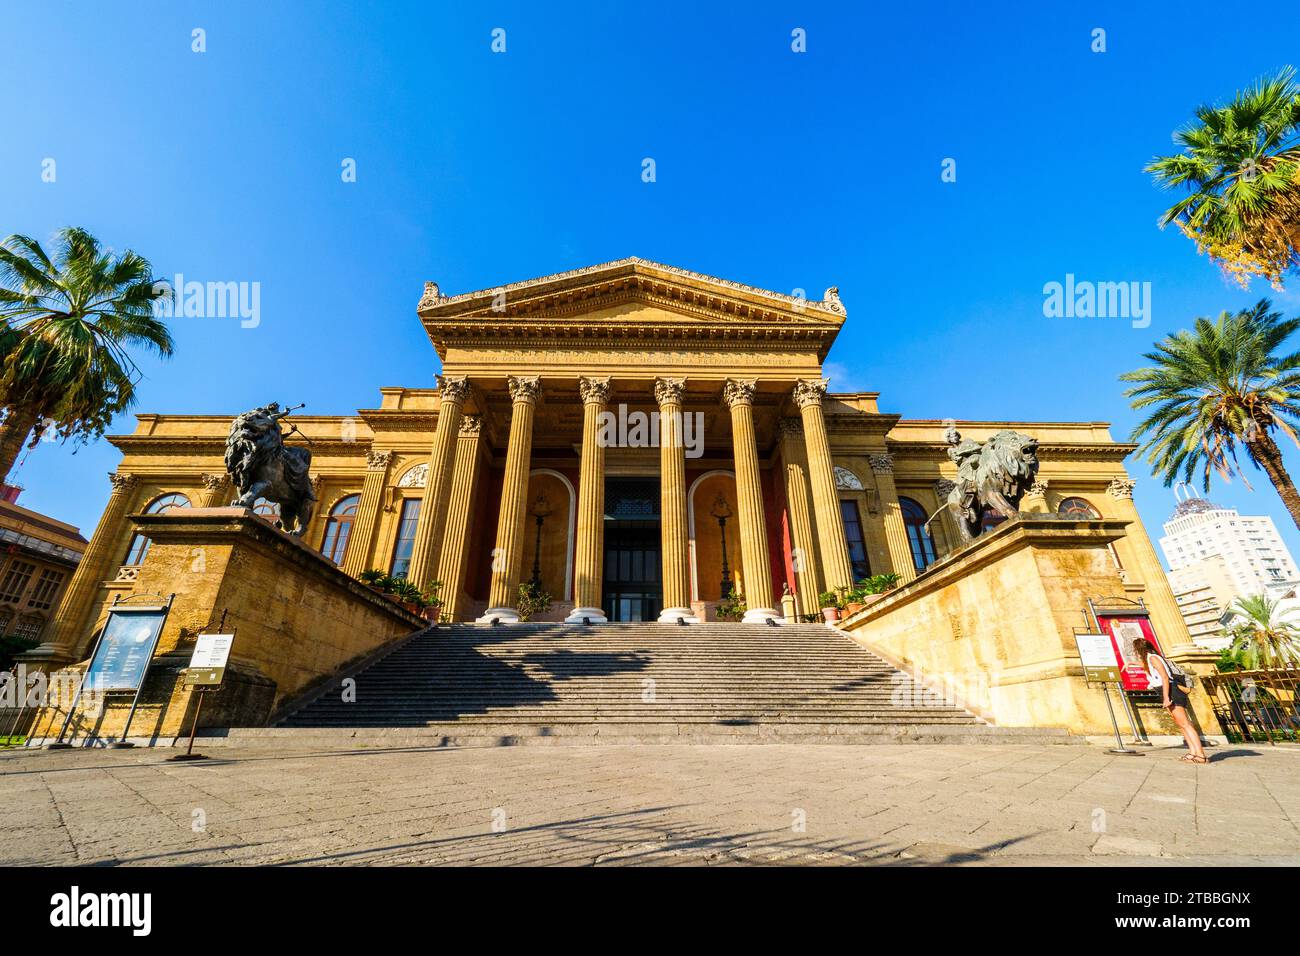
(1257, 705)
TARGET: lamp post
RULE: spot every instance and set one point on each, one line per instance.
(720, 511)
(541, 509)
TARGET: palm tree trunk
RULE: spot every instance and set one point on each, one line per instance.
(18, 424)
(1270, 458)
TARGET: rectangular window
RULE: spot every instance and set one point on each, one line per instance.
(15, 582)
(46, 587)
(856, 541)
(405, 537)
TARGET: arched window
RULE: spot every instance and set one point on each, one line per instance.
(918, 535)
(1077, 508)
(139, 543)
(270, 510)
(339, 528)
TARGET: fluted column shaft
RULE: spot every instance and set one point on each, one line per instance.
(507, 558)
(807, 574)
(739, 396)
(900, 549)
(361, 538)
(672, 501)
(460, 505)
(97, 563)
(808, 395)
(433, 510)
(588, 564)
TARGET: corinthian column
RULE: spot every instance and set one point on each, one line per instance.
(460, 504)
(808, 395)
(452, 392)
(589, 561)
(102, 555)
(508, 555)
(362, 537)
(795, 459)
(672, 506)
(739, 396)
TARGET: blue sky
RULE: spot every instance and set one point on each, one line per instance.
(785, 170)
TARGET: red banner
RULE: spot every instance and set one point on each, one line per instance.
(1123, 630)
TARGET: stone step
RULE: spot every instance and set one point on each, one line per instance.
(585, 733)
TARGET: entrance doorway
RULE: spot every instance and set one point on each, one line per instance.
(633, 587)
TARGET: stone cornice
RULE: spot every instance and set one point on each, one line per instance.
(1100, 450)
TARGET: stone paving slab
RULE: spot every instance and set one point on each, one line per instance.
(776, 804)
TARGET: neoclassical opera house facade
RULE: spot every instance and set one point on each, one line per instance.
(511, 469)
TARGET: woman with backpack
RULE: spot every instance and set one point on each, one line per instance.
(1175, 684)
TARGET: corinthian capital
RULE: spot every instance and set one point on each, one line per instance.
(122, 481)
(669, 391)
(809, 391)
(378, 460)
(525, 388)
(739, 391)
(212, 481)
(594, 390)
(453, 388)
(791, 427)
(882, 464)
(1121, 488)
(471, 425)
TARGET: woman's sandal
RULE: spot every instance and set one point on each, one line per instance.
(1193, 758)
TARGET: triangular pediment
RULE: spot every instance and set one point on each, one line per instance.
(693, 293)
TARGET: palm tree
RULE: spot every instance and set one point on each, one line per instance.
(1265, 632)
(1241, 165)
(1209, 388)
(65, 324)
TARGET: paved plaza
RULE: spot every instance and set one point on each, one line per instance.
(766, 804)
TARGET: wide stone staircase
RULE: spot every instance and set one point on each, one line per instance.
(624, 683)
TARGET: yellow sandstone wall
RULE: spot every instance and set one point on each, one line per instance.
(297, 620)
(995, 625)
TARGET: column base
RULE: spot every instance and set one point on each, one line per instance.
(595, 614)
(761, 615)
(671, 615)
(503, 615)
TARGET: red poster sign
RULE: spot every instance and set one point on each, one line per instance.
(1123, 630)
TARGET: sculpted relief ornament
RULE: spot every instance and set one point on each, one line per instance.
(739, 392)
(415, 477)
(846, 480)
(594, 390)
(432, 296)
(809, 391)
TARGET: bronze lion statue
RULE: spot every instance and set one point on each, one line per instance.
(991, 477)
(261, 466)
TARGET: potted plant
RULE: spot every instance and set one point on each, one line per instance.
(408, 595)
(532, 600)
(830, 605)
(432, 596)
(373, 578)
(731, 608)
